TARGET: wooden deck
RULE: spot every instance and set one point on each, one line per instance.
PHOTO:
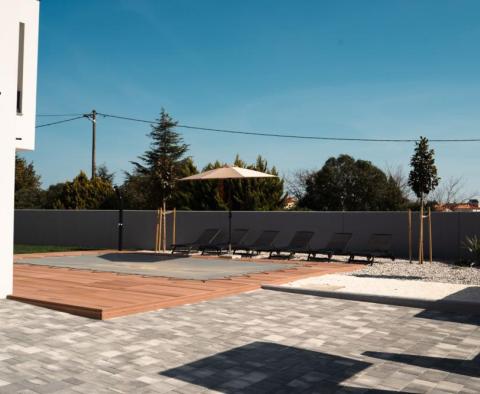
(104, 295)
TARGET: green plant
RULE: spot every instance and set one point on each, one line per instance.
(472, 245)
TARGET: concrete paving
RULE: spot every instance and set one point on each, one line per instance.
(150, 264)
(257, 342)
(390, 287)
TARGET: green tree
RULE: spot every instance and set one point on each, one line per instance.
(85, 193)
(104, 173)
(53, 196)
(163, 164)
(344, 183)
(423, 177)
(255, 194)
(137, 194)
(28, 193)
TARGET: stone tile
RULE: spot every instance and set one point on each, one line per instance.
(257, 342)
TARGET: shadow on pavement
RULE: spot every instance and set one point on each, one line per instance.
(269, 367)
(468, 313)
(450, 365)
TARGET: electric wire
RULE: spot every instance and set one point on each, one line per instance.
(293, 136)
(259, 133)
(59, 121)
(56, 115)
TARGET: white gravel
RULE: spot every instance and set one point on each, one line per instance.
(389, 287)
(428, 272)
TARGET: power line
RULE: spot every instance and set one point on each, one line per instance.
(59, 121)
(261, 133)
(53, 115)
(292, 136)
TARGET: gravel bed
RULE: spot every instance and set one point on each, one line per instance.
(428, 272)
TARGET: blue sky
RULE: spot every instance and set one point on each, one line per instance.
(328, 68)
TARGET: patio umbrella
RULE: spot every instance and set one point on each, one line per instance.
(228, 172)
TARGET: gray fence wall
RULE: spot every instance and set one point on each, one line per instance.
(98, 229)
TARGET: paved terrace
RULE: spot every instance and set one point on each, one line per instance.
(118, 284)
(262, 341)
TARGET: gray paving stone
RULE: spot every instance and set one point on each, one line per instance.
(257, 342)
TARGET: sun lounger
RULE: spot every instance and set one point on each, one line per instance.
(378, 246)
(238, 236)
(263, 242)
(335, 246)
(300, 243)
(206, 237)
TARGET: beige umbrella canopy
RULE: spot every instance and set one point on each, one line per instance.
(228, 172)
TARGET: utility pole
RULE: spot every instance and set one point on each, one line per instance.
(93, 118)
(94, 141)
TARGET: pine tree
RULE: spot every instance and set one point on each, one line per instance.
(164, 163)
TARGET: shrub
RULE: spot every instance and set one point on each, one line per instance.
(472, 245)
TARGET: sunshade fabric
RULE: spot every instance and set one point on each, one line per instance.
(230, 172)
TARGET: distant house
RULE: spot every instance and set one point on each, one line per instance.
(470, 206)
(290, 202)
(18, 82)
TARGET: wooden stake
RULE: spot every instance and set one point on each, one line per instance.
(160, 221)
(164, 226)
(174, 229)
(157, 230)
(410, 235)
(420, 243)
(430, 246)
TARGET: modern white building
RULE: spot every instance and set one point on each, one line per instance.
(18, 83)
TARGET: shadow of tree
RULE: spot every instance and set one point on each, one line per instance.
(450, 365)
(269, 367)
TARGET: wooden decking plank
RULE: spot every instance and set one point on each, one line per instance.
(104, 295)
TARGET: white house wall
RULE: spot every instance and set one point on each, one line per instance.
(12, 12)
(17, 130)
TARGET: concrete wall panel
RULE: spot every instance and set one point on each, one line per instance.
(98, 229)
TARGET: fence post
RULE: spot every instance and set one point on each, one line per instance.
(410, 235)
(174, 229)
(430, 240)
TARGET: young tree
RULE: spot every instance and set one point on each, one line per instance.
(346, 184)
(452, 190)
(297, 183)
(164, 163)
(28, 193)
(423, 179)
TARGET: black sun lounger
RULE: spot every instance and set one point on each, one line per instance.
(335, 246)
(206, 237)
(263, 242)
(378, 246)
(300, 243)
(238, 236)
